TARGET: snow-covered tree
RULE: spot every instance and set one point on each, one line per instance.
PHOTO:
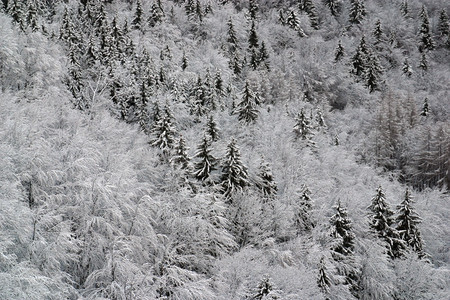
(444, 26)
(234, 173)
(339, 52)
(265, 181)
(247, 110)
(204, 161)
(357, 11)
(212, 130)
(163, 133)
(426, 41)
(406, 68)
(180, 157)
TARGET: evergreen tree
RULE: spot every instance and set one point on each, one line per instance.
(138, 16)
(359, 60)
(156, 13)
(32, 16)
(253, 37)
(265, 182)
(180, 157)
(302, 212)
(302, 128)
(339, 53)
(199, 11)
(357, 11)
(218, 84)
(341, 229)
(407, 70)
(373, 72)
(377, 32)
(407, 221)
(263, 289)
(236, 64)
(253, 9)
(205, 162)
(323, 280)
(293, 22)
(231, 37)
(247, 109)
(423, 63)
(425, 108)
(443, 27)
(184, 61)
(211, 129)
(263, 56)
(16, 11)
(163, 133)
(310, 9)
(319, 120)
(426, 41)
(404, 8)
(381, 222)
(234, 172)
(334, 6)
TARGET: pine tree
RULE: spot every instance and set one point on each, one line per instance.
(423, 63)
(247, 109)
(323, 280)
(425, 108)
(334, 6)
(426, 41)
(443, 27)
(359, 60)
(302, 211)
(138, 15)
(341, 229)
(265, 182)
(234, 172)
(180, 157)
(263, 289)
(407, 221)
(381, 222)
(407, 70)
(339, 53)
(377, 32)
(211, 129)
(302, 128)
(357, 11)
(373, 72)
(163, 133)
(205, 162)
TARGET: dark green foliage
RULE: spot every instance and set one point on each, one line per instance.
(339, 53)
(404, 8)
(407, 222)
(426, 41)
(357, 11)
(218, 83)
(263, 57)
(247, 109)
(205, 162)
(234, 173)
(381, 221)
(16, 11)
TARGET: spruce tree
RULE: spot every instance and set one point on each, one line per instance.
(443, 26)
(138, 15)
(426, 41)
(156, 13)
(323, 280)
(205, 162)
(377, 32)
(302, 211)
(16, 11)
(310, 9)
(180, 157)
(253, 9)
(359, 59)
(334, 6)
(265, 182)
(373, 71)
(163, 133)
(302, 128)
(211, 129)
(184, 61)
(423, 64)
(263, 289)
(406, 69)
(339, 52)
(247, 109)
(404, 8)
(381, 221)
(425, 108)
(341, 229)
(218, 84)
(231, 37)
(407, 221)
(263, 56)
(234, 172)
(357, 11)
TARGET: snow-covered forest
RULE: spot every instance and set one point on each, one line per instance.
(224, 149)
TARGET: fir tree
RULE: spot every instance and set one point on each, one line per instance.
(423, 63)
(319, 120)
(253, 37)
(218, 84)
(32, 16)
(263, 56)
(184, 61)
(138, 15)
(425, 108)
(211, 129)
(265, 182)
(205, 162)
(234, 172)
(406, 69)
(426, 41)
(253, 9)
(404, 8)
(334, 6)
(341, 229)
(199, 11)
(180, 157)
(323, 280)
(302, 211)
(310, 9)
(359, 60)
(381, 222)
(377, 32)
(247, 109)
(339, 53)
(407, 221)
(156, 13)
(263, 289)
(231, 37)
(163, 133)
(373, 71)
(443, 27)
(15, 10)
(302, 128)
(357, 11)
